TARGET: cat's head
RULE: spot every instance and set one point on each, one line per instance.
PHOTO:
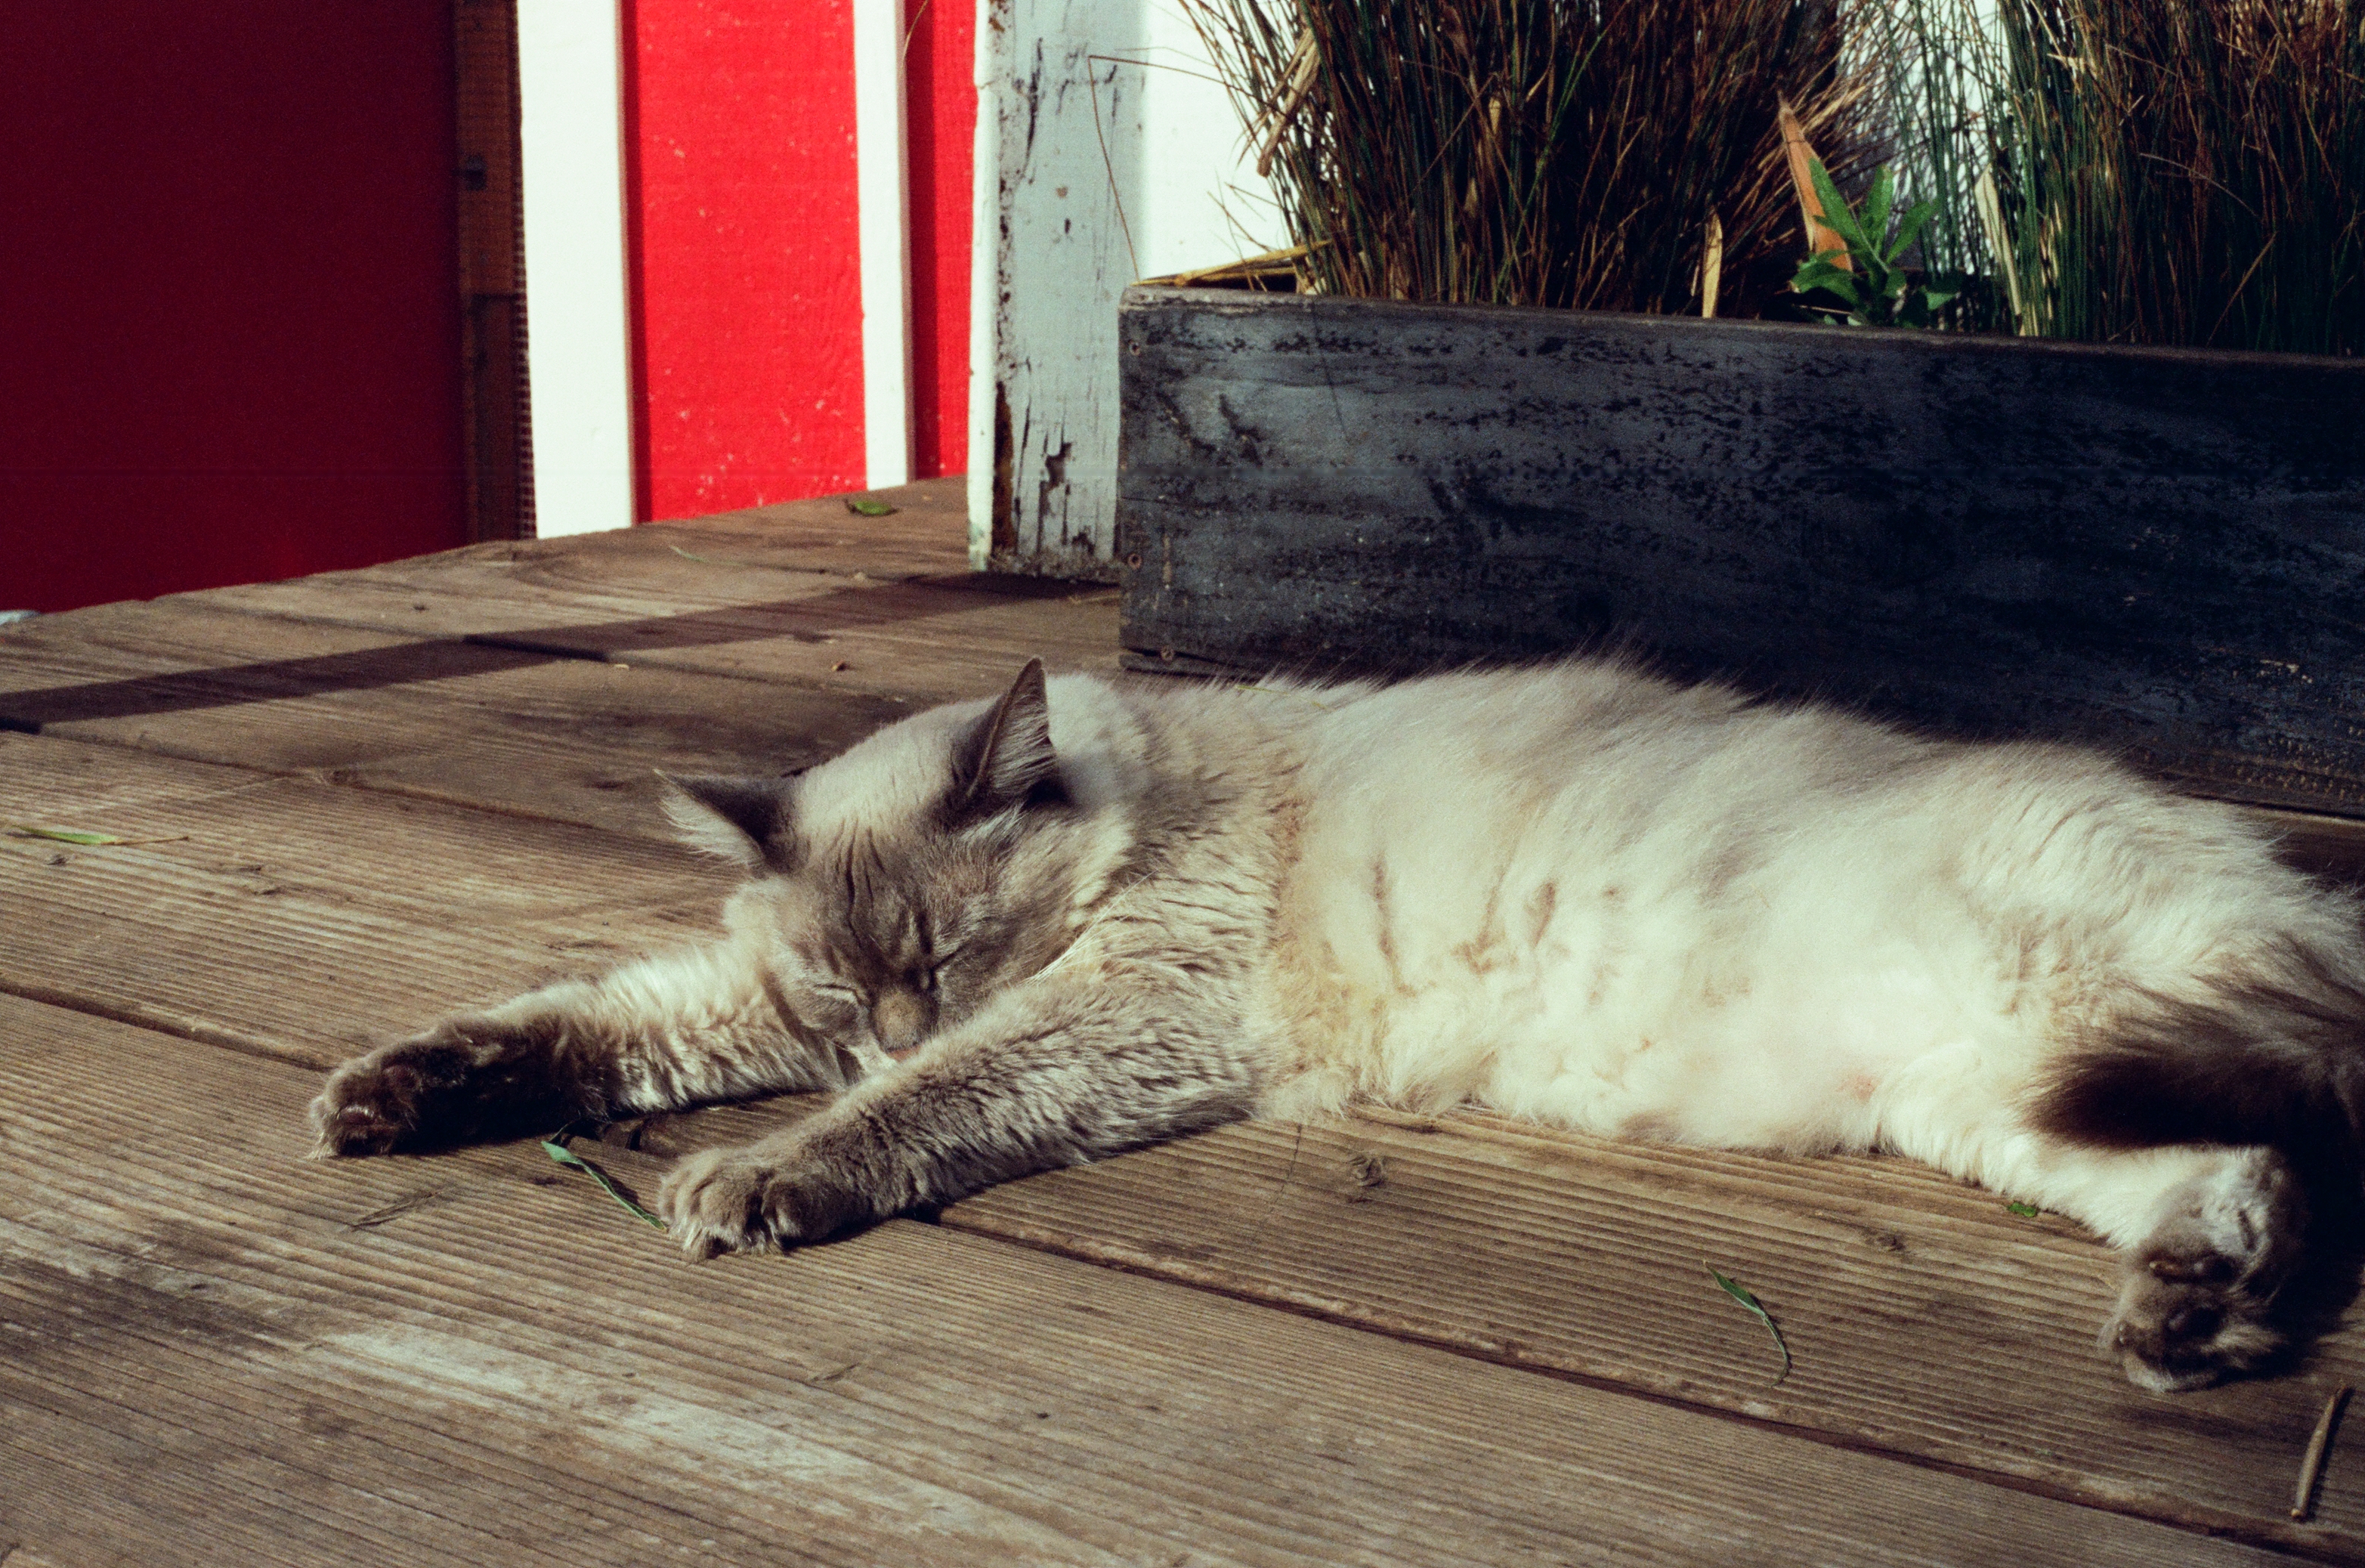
(895, 889)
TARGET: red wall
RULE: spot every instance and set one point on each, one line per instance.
(939, 74)
(228, 279)
(746, 247)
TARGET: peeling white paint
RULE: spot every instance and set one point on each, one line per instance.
(1113, 156)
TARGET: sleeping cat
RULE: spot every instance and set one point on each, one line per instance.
(1087, 916)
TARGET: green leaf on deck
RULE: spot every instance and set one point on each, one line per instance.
(1741, 1294)
(864, 506)
(702, 560)
(2025, 1211)
(559, 1151)
(77, 835)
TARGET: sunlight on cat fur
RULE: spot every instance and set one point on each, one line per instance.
(1089, 915)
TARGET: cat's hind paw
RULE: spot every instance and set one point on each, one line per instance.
(2175, 1334)
(2199, 1305)
(751, 1199)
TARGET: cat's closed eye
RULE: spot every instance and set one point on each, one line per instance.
(834, 995)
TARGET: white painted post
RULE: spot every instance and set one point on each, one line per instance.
(984, 277)
(882, 187)
(578, 361)
(1068, 212)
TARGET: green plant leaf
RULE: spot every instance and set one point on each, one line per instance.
(866, 506)
(1877, 204)
(1908, 227)
(1741, 1293)
(2025, 1211)
(561, 1153)
(1838, 216)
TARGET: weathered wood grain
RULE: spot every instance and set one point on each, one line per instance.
(1928, 1323)
(1924, 1318)
(577, 740)
(225, 1349)
(925, 638)
(297, 918)
(2158, 550)
(926, 535)
(301, 921)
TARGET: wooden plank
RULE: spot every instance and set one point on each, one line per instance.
(571, 739)
(552, 734)
(220, 1348)
(1925, 1319)
(1583, 1259)
(631, 596)
(292, 917)
(2154, 548)
(633, 571)
(927, 535)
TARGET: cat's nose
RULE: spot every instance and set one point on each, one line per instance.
(901, 1019)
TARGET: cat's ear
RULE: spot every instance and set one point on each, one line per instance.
(741, 819)
(1004, 759)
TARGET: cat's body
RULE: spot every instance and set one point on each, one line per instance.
(1106, 915)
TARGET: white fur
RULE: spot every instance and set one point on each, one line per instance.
(1574, 893)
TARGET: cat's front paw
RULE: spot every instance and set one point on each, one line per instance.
(740, 1200)
(387, 1099)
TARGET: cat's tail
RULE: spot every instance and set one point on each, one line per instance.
(2275, 1056)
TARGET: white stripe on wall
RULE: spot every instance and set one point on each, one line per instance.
(984, 282)
(882, 187)
(578, 359)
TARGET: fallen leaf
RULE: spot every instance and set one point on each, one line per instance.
(2025, 1211)
(864, 506)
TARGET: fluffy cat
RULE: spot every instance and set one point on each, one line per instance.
(1038, 931)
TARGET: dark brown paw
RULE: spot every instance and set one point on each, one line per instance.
(394, 1097)
(2172, 1335)
(2200, 1304)
(752, 1199)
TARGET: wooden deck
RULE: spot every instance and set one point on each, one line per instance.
(357, 800)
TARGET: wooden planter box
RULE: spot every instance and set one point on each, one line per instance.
(2158, 550)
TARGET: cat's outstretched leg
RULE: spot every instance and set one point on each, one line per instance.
(682, 1028)
(2209, 1238)
(1063, 1070)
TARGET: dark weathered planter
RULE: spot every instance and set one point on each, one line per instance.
(2161, 550)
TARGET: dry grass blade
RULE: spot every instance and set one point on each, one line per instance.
(2319, 1444)
(1712, 264)
(573, 1161)
(82, 836)
(2182, 172)
(1799, 155)
(1555, 152)
(1742, 1294)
